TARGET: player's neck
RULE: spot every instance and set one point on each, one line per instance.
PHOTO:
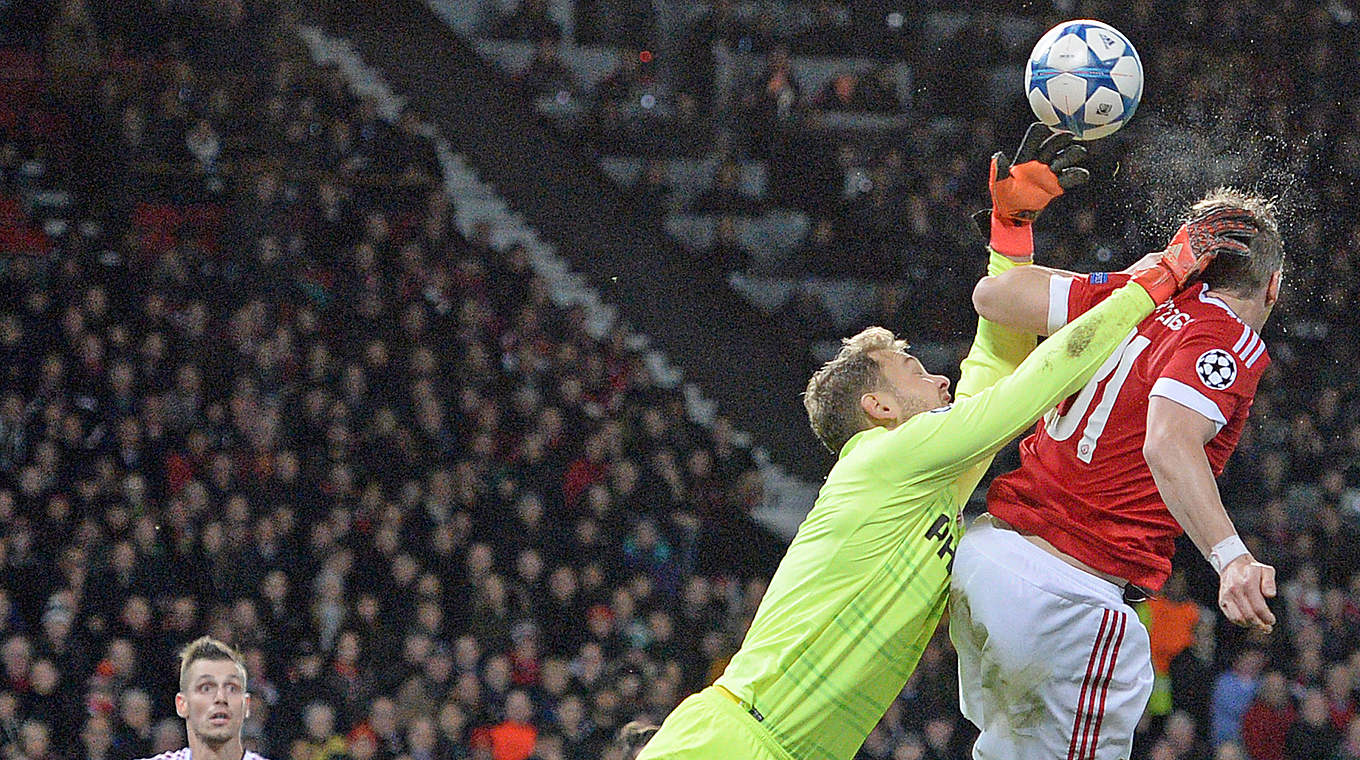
(1249, 310)
(199, 749)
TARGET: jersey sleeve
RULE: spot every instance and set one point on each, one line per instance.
(1214, 372)
(997, 350)
(1070, 297)
(948, 441)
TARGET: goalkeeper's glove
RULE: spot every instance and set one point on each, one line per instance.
(1046, 164)
(1209, 234)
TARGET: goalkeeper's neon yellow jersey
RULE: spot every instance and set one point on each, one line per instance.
(864, 582)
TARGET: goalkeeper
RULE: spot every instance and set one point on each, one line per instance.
(864, 582)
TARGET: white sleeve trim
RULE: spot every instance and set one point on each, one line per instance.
(1058, 290)
(1188, 397)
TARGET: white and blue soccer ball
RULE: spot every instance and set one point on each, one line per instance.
(1084, 77)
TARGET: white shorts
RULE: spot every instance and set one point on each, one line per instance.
(1053, 665)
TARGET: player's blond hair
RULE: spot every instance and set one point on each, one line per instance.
(208, 648)
(1244, 275)
(833, 393)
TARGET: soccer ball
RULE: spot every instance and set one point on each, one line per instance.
(1084, 77)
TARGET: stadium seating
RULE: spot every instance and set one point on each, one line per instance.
(342, 420)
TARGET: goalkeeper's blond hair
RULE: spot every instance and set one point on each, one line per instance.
(833, 393)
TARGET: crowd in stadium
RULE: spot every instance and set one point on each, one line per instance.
(261, 386)
(885, 203)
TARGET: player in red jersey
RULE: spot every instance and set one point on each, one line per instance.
(1053, 663)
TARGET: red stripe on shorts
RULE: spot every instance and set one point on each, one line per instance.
(1101, 672)
(1105, 689)
(1081, 700)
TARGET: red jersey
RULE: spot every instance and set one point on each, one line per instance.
(1083, 484)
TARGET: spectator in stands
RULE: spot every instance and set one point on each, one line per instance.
(1349, 747)
(1313, 735)
(384, 722)
(74, 56)
(514, 737)
(1172, 620)
(725, 197)
(805, 309)
(651, 190)
(410, 154)
(136, 729)
(1268, 720)
(530, 20)
(545, 74)
(1179, 740)
(830, 32)
(422, 742)
(878, 91)
(822, 253)
(1233, 692)
(35, 741)
(203, 146)
(718, 24)
(1337, 688)
(841, 92)
(49, 700)
(96, 739)
(773, 98)
(726, 254)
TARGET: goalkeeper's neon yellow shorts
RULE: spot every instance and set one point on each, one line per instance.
(710, 725)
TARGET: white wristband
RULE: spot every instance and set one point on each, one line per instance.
(1225, 551)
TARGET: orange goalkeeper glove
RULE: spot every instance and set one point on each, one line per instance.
(1046, 164)
(1196, 244)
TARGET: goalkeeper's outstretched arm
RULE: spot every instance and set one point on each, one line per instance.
(948, 443)
(1046, 164)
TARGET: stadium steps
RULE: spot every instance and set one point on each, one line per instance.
(589, 63)
(468, 17)
(788, 497)
(848, 302)
(770, 238)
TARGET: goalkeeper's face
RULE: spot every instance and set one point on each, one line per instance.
(214, 702)
(908, 389)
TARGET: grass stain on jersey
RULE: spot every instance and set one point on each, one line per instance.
(1080, 339)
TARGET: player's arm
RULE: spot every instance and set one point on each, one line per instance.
(1034, 298)
(996, 352)
(1020, 298)
(1046, 165)
(997, 348)
(949, 441)
(1174, 450)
